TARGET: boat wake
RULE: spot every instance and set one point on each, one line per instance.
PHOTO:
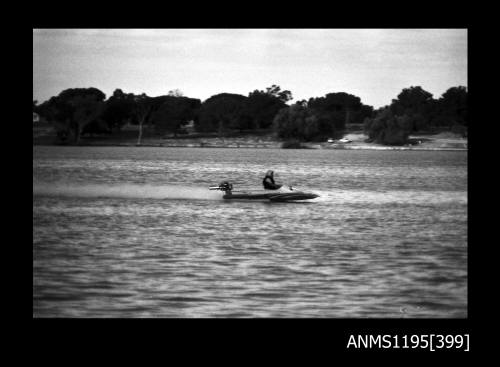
(131, 191)
(413, 197)
(180, 192)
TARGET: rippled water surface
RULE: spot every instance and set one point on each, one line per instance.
(134, 232)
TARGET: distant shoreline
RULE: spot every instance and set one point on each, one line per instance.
(356, 140)
(262, 146)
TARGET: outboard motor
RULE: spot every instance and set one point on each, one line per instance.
(223, 186)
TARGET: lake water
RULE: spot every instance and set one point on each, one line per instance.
(134, 232)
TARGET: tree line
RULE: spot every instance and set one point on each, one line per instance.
(78, 111)
(415, 110)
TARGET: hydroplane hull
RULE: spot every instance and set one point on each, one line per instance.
(281, 195)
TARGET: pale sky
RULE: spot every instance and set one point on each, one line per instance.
(373, 64)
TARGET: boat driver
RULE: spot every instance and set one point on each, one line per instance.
(268, 181)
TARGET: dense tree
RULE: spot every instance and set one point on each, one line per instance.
(453, 106)
(175, 93)
(119, 109)
(221, 112)
(413, 99)
(416, 104)
(302, 103)
(262, 106)
(341, 108)
(388, 129)
(275, 91)
(320, 118)
(424, 112)
(301, 123)
(174, 112)
(358, 115)
(72, 110)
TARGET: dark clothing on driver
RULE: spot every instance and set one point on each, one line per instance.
(269, 183)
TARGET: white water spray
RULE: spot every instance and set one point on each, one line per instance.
(132, 191)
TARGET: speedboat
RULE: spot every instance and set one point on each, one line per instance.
(282, 194)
